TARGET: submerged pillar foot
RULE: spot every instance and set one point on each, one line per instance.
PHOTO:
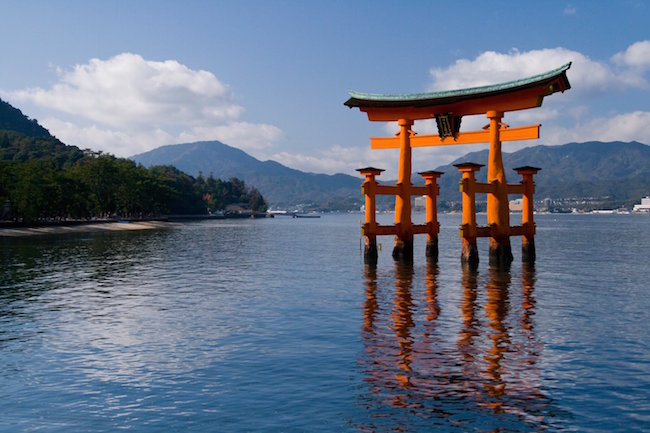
(403, 250)
(528, 249)
(469, 253)
(500, 250)
(432, 249)
(370, 253)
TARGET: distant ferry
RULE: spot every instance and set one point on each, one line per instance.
(294, 214)
(309, 215)
(644, 206)
(611, 211)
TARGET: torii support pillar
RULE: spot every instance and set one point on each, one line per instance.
(433, 226)
(527, 223)
(369, 231)
(403, 249)
(468, 232)
(498, 212)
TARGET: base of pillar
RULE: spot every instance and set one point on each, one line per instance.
(500, 250)
(528, 249)
(403, 250)
(432, 249)
(370, 253)
(469, 253)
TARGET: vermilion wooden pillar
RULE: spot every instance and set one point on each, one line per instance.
(469, 251)
(403, 249)
(369, 231)
(527, 212)
(433, 226)
(498, 212)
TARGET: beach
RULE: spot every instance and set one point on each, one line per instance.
(111, 226)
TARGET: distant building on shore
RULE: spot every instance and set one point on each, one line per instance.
(516, 205)
(420, 203)
(644, 206)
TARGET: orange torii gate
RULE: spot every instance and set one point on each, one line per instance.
(448, 108)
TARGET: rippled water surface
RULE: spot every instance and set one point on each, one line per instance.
(278, 325)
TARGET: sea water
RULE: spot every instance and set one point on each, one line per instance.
(278, 325)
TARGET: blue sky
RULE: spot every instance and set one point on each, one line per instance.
(270, 77)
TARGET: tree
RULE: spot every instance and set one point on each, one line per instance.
(256, 202)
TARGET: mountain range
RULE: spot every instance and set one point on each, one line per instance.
(610, 174)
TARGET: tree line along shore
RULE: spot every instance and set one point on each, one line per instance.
(45, 181)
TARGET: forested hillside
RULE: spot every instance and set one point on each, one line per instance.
(43, 179)
(12, 119)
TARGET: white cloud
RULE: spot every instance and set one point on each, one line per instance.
(107, 140)
(524, 117)
(633, 126)
(589, 78)
(250, 137)
(633, 64)
(126, 105)
(339, 159)
(336, 159)
(491, 67)
(636, 55)
(570, 10)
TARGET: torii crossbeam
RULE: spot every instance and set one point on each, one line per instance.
(448, 108)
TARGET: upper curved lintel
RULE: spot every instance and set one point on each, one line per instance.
(377, 100)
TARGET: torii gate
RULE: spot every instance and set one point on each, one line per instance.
(448, 108)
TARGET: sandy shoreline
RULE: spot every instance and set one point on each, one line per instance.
(83, 228)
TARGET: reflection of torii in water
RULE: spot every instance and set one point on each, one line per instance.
(493, 366)
(393, 349)
(507, 389)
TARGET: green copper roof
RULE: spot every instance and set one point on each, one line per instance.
(358, 99)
